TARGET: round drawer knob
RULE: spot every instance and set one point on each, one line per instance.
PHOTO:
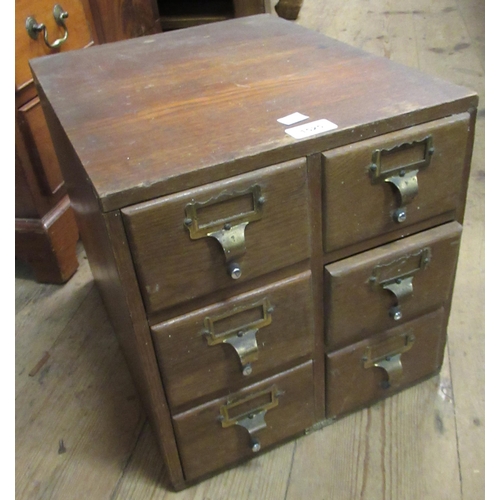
(399, 215)
(255, 445)
(234, 270)
(395, 313)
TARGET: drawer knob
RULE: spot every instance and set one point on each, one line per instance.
(33, 28)
(242, 338)
(387, 356)
(399, 215)
(395, 313)
(396, 277)
(399, 167)
(237, 412)
(210, 219)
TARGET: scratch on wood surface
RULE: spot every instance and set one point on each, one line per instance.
(39, 365)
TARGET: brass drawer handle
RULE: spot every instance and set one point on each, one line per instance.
(249, 412)
(229, 230)
(33, 28)
(387, 356)
(396, 277)
(402, 177)
(242, 337)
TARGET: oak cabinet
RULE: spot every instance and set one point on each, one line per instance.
(275, 235)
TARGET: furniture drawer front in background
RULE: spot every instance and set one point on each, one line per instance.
(373, 291)
(79, 36)
(365, 372)
(193, 243)
(388, 183)
(221, 348)
(43, 157)
(235, 427)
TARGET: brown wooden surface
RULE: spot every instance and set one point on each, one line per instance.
(357, 308)
(355, 209)
(48, 244)
(172, 268)
(205, 446)
(80, 35)
(250, 7)
(350, 386)
(43, 157)
(427, 439)
(314, 172)
(121, 20)
(104, 238)
(228, 110)
(194, 372)
(46, 232)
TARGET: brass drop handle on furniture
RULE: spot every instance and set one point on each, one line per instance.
(253, 420)
(397, 276)
(387, 356)
(228, 230)
(33, 28)
(403, 176)
(242, 337)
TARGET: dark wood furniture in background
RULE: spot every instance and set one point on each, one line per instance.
(262, 281)
(46, 232)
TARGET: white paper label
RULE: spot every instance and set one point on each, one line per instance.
(293, 118)
(313, 128)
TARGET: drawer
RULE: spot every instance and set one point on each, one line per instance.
(373, 291)
(79, 36)
(221, 348)
(196, 242)
(231, 429)
(386, 184)
(40, 148)
(363, 373)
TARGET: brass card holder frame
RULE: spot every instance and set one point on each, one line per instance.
(397, 276)
(242, 338)
(252, 420)
(387, 356)
(403, 177)
(228, 231)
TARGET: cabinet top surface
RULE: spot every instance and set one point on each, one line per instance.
(153, 115)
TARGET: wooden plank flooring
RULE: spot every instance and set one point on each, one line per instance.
(81, 432)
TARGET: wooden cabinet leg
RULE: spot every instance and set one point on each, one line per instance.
(48, 245)
(289, 9)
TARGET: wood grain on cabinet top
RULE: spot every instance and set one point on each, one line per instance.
(150, 116)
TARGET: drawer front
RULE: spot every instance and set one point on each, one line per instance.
(386, 184)
(43, 157)
(79, 36)
(377, 289)
(196, 242)
(236, 427)
(221, 348)
(363, 373)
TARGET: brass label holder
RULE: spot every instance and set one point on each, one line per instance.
(387, 356)
(397, 276)
(403, 177)
(229, 231)
(242, 338)
(252, 420)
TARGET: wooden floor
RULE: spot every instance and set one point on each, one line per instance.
(81, 433)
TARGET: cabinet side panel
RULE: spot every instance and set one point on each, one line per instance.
(105, 244)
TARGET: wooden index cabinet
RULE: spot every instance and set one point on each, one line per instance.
(265, 273)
